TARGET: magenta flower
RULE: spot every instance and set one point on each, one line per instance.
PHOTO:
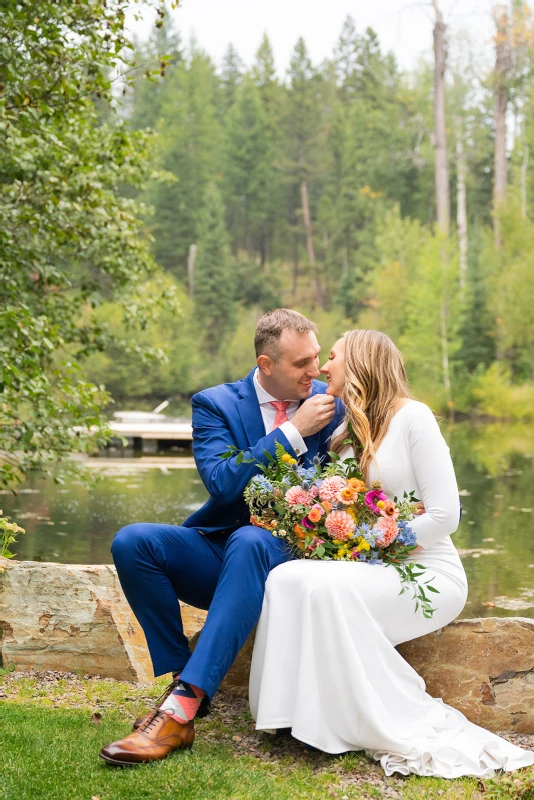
(306, 523)
(372, 497)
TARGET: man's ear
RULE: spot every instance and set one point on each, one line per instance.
(265, 364)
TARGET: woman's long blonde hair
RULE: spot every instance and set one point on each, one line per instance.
(375, 379)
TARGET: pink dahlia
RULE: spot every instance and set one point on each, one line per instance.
(339, 525)
(387, 528)
(372, 498)
(330, 488)
(296, 496)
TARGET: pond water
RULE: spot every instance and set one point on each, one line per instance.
(73, 523)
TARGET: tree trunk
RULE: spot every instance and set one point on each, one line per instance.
(443, 207)
(502, 67)
(309, 239)
(306, 218)
(296, 266)
(524, 167)
(344, 263)
(440, 135)
(461, 206)
(191, 269)
(445, 358)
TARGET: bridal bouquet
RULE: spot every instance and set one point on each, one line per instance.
(328, 513)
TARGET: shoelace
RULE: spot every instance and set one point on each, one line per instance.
(151, 720)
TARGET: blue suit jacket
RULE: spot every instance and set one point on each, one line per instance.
(230, 414)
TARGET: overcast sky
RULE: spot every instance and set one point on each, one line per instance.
(404, 26)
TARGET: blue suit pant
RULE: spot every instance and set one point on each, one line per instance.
(158, 565)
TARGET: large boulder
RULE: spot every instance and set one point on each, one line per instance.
(73, 617)
(483, 667)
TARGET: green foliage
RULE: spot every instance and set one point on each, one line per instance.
(69, 240)
(513, 298)
(239, 156)
(8, 535)
(127, 374)
(519, 786)
(189, 149)
(249, 172)
(495, 396)
(214, 279)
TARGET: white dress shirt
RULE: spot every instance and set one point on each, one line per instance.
(268, 413)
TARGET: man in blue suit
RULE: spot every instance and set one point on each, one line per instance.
(216, 560)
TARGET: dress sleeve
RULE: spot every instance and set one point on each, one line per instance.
(435, 477)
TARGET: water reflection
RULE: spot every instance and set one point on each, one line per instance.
(74, 523)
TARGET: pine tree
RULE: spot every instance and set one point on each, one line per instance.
(303, 128)
(214, 283)
(164, 46)
(249, 172)
(190, 151)
(230, 79)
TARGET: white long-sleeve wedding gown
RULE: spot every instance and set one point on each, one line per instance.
(324, 661)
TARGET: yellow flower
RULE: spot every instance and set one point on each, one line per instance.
(286, 458)
(381, 504)
(352, 511)
(337, 541)
(363, 546)
(292, 461)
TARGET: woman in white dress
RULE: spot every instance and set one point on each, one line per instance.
(324, 662)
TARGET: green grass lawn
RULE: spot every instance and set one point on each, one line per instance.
(50, 740)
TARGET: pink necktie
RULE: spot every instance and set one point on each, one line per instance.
(281, 412)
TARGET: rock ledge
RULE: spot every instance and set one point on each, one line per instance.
(65, 617)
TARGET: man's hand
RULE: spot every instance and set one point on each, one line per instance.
(314, 414)
(419, 509)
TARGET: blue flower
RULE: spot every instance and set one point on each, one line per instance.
(306, 473)
(368, 535)
(406, 536)
(260, 483)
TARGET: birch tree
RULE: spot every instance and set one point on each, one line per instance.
(442, 181)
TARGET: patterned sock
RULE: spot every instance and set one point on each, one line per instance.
(183, 702)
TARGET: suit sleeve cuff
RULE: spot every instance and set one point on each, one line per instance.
(293, 436)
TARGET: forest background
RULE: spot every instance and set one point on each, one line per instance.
(153, 204)
(317, 192)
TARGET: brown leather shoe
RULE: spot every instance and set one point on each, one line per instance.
(203, 710)
(159, 736)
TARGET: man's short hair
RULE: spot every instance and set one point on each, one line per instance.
(270, 327)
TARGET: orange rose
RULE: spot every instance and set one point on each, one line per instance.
(314, 515)
(357, 485)
(299, 531)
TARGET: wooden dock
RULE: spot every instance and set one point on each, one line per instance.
(164, 430)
